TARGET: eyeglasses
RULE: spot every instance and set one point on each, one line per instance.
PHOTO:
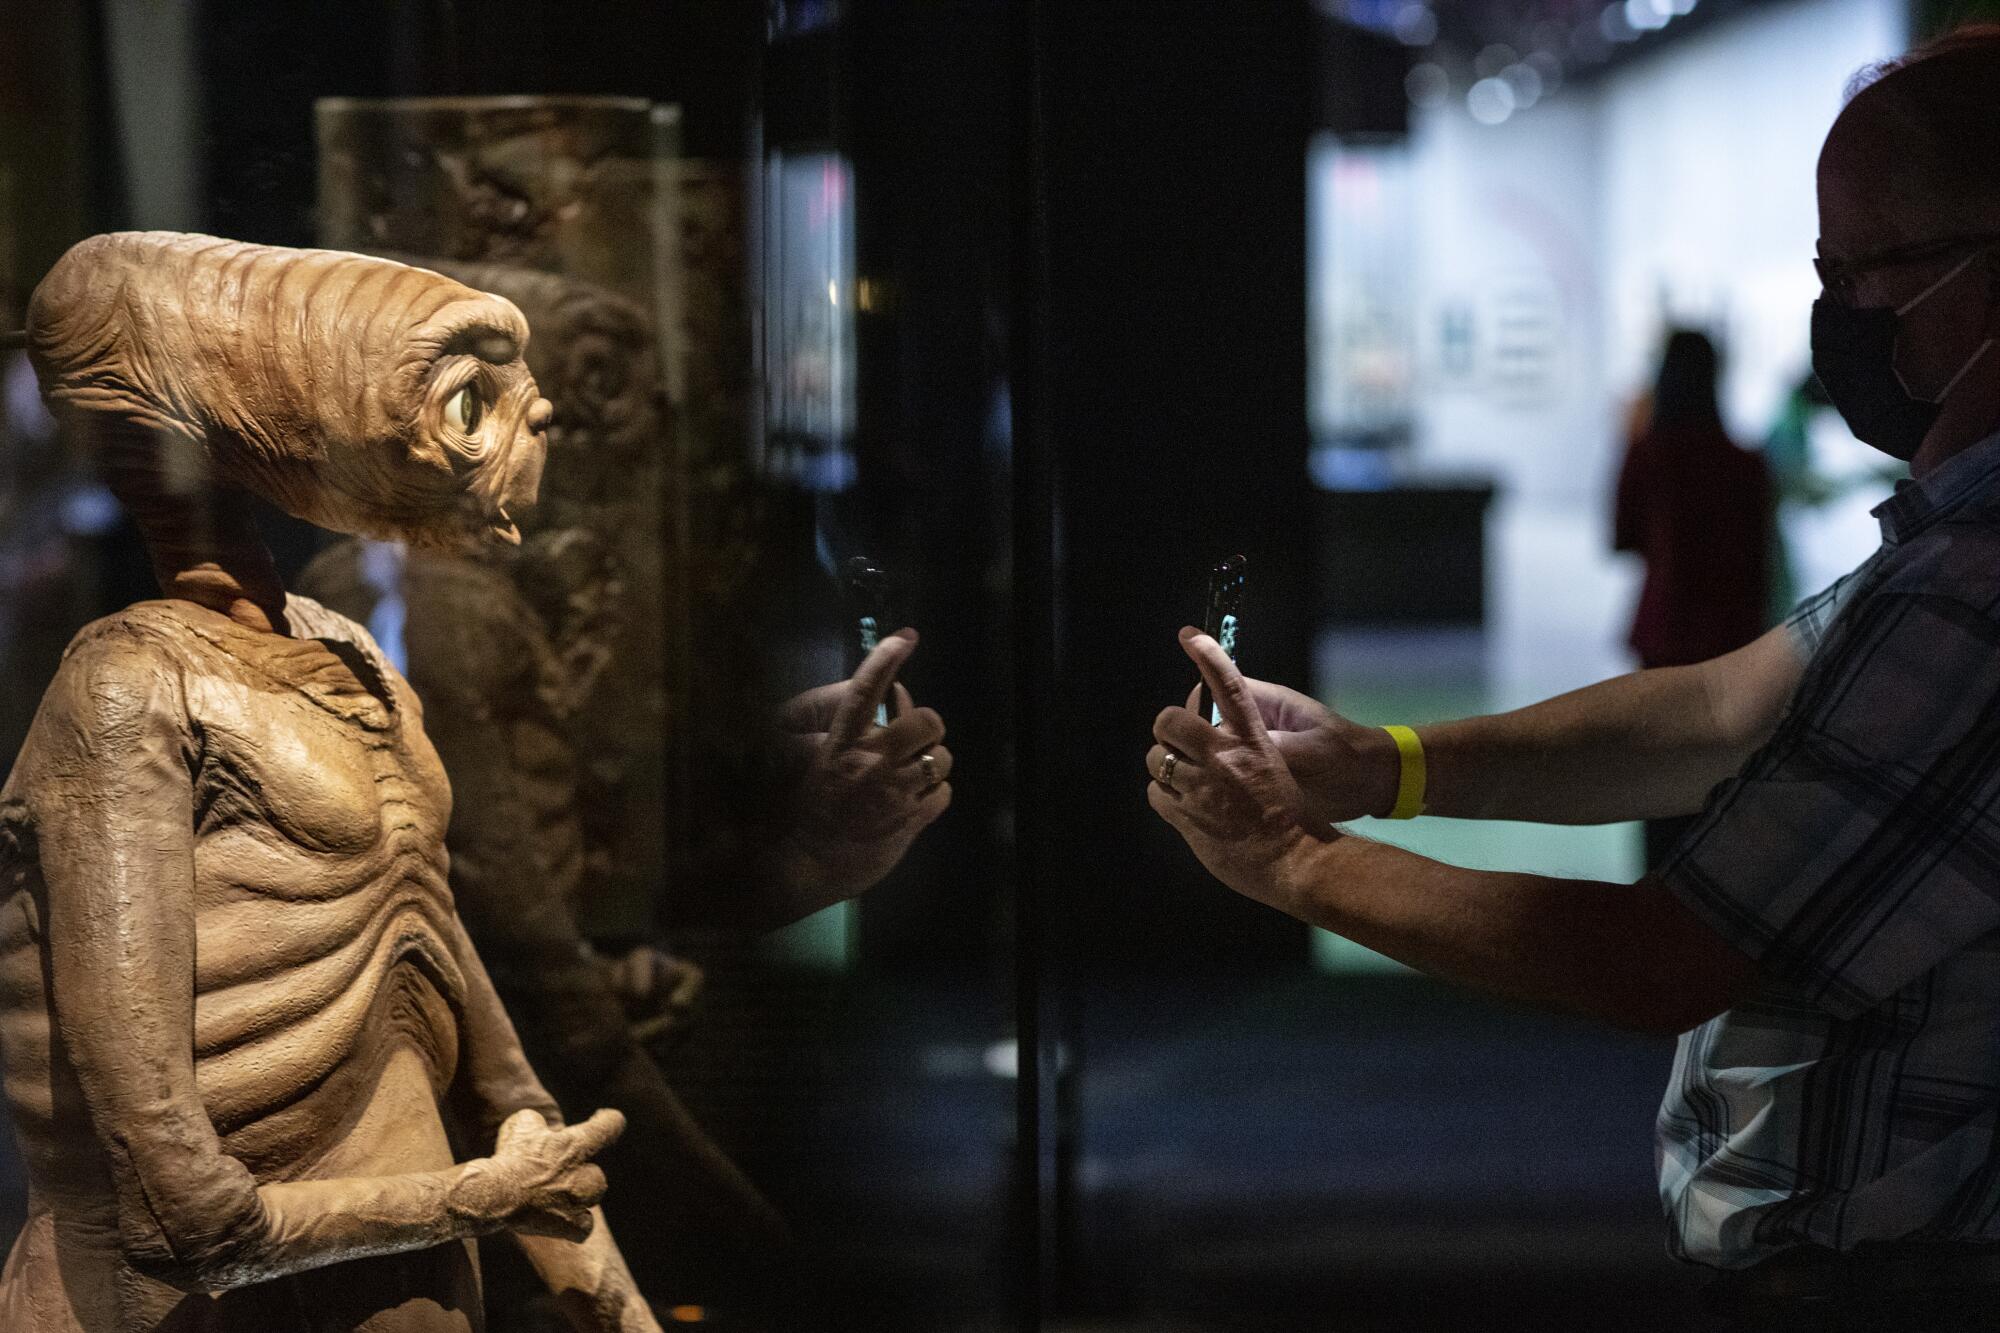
(1837, 276)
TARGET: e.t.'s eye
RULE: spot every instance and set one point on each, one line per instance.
(465, 409)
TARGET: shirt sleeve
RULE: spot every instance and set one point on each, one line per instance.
(1858, 848)
(1810, 619)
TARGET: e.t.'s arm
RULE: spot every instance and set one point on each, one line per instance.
(589, 1278)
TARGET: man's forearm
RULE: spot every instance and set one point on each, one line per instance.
(1649, 745)
(1625, 953)
(1642, 746)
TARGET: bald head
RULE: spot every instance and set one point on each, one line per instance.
(1916, 153)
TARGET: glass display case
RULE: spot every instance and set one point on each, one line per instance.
(629, 554)
(701, 887)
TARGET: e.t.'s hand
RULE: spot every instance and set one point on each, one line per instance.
(866, 791)
(1228, 790)
(539, 1180)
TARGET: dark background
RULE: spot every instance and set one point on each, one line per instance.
(1094, 214)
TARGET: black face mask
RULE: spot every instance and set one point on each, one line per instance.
(1854, 355)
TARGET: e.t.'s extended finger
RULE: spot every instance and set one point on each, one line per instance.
(869, 686)
(1225, 682)
(596, 1134)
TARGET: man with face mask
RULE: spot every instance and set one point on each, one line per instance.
(1826, 939)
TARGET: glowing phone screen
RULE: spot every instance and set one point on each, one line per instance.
(1223, 621)
(868, 595)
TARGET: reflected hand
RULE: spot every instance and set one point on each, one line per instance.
(867, 791)
(539, 1180)
(1230, 793)
(1344, 769)
(656, 988)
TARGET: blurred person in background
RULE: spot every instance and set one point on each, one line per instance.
(1826, 940)
(1788, 455)
(1698, 510)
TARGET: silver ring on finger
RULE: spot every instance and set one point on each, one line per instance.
(1168, 763)
(929, 763)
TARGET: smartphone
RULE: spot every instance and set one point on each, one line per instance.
(867, 589)
(1223, 620)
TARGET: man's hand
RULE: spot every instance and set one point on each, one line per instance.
(866, 791)
(1344, 770)
(539, 1180)
(1231, 794)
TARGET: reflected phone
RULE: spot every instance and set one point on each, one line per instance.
(867, 589)
(1223, 620)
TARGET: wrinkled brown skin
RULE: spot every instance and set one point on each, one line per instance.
(503, 649)
(241, 1023)
(518, 866)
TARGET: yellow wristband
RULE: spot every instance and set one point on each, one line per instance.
(1409, 786)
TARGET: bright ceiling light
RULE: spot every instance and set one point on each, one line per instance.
(1642, 16)
(1427, 84)
(1490, 101)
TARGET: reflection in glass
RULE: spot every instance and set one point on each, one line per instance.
(810, 298)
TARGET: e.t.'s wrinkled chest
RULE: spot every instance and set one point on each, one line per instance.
(325, 939)
(312, 767)
(319, 811)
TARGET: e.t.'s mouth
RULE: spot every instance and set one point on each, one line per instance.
(484, 523)
(500, 528)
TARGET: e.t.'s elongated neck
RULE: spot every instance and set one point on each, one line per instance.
(203, 539)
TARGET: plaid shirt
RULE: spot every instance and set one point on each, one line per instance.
(1856, 857)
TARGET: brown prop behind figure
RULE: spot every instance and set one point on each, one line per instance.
(246, 1039)
(504, 648)
(561, 186)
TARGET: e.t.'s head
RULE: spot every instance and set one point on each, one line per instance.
(360, 394)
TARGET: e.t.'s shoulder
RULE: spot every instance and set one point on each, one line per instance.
(145, 640)
(121, 684)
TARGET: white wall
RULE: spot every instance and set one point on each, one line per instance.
(1506, 220)
(1680, 187)
(1709, 154)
